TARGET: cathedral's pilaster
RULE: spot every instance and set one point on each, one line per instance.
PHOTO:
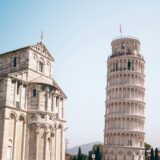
(52, 145)
(24, 141)
(15, 87)
(15, 140)
(4, 140)
(46, 145)
(37, 143)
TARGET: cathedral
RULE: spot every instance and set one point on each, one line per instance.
(124, 117)
(32, 124)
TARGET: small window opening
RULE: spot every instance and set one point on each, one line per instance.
(41, 66)
(14, 61)
(129, 143)
(116, 66)
(129, 65)
(17, 104)
(18, 88)
(57, 101)
(34, 93)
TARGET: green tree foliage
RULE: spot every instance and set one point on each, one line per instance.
(90, 155)
(147, 146)
(79, 156)
(98, 155)
(97, 150)
(146, 158)
(156, 154)
(74, 158)
(84, 157)
(152, 154)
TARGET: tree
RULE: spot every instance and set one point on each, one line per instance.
(152, 154)
(74, 158)
(79, 156)
(98, 154)
(90, 155)
(146, 158)
(147, 146)
(156, 154)
(97, 150)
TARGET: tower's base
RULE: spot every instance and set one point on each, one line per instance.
(124, 154)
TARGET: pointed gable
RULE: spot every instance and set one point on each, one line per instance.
(41, 49)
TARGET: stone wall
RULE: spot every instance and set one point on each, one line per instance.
(31, 107)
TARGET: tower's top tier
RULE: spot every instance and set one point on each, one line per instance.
(125, 46)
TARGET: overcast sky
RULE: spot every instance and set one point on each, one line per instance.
(78, 33)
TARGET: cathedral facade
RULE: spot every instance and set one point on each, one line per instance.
(124, 117)
(32, 123)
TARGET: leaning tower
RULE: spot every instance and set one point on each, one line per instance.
(124, 117)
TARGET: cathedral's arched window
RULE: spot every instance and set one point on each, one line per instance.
(34, 92)
(14, 61)
(57, 101)
(18, 88)
(41, 66)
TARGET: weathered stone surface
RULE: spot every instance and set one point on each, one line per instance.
(124, 118)
(31, 106)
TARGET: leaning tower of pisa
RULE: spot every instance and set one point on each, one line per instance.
(124, 117)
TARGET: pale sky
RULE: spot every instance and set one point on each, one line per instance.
(78, 34)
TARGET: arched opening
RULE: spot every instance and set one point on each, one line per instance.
(117, 66)
(34, 93)
(41, 66)
(129, 65)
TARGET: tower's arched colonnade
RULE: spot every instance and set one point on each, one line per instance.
(124, 116)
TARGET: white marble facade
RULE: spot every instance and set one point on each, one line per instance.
(124, 117)
(32, 123)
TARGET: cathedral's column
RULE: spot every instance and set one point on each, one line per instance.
(63, 143)
(52, 146)
(20, 96)
(37, 145)
(55, 143)
(47, 98)
(45, 146)
(24, 140)
(5, 136)
(15, 88)
(62, 108)
(15, 140)
(54, 104)
(25, 98)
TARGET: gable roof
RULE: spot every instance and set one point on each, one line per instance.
(39, 47)
(42, 49)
